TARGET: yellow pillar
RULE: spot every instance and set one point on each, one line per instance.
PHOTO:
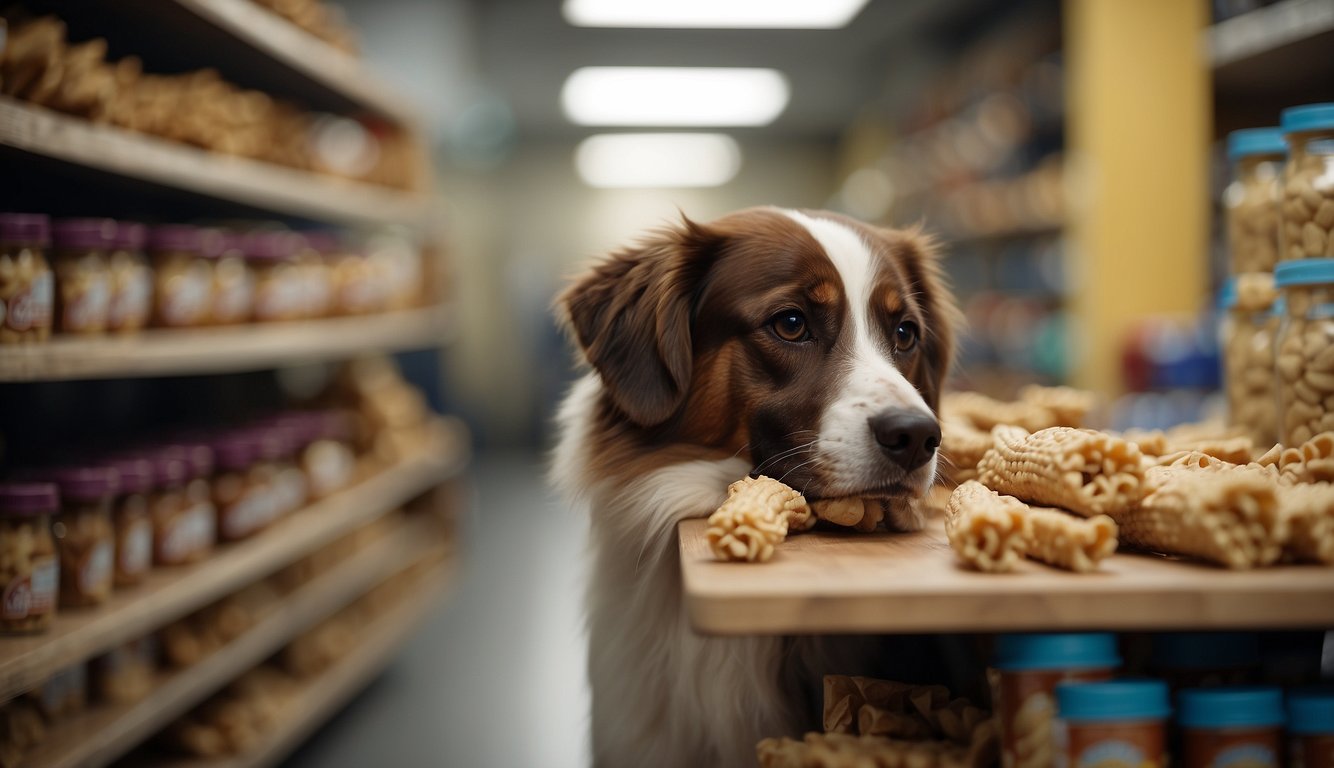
(1137, 133)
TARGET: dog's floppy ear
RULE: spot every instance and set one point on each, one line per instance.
(916, 252)
(630, 316)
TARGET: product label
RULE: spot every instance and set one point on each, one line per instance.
(136, 548)
(32, 308)
(247, 515)
(1026, 703)
(33, 594)
(189, 534)
(130, 299)
(95, 573)
(184, 299)
(330, 467)
(1113, 745)
(1231, 748)
(88, 310)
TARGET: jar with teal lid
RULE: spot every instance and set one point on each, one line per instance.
(1310, 714)
(1247, 340)
(1117, 722)
(1305, 359)
(1025, 672)
(1231, 727)
(1251, 200)
(1308, 182)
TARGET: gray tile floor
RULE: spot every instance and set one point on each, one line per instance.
(496, 676)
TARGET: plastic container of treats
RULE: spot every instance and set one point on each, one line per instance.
(182, 277)
(1310, 717)
(183, 532)
(131, 520)
(1305, 342)
(1308, 183)
(29, 566)
(1114, 722)
(1026, 670)
(1231, 726)
(1251, 200)
(233, 283)
(131, 303)
(83, 275)
(27, 285)
(85, 538)
(278, 289)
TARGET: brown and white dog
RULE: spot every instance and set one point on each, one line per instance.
(797, 344)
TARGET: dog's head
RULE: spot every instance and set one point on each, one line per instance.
(813, 343)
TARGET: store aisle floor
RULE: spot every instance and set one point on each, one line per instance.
(496, 676)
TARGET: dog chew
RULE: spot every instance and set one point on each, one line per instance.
(754, 519)
(1073, 543)
(987, 531)
(1229, 518)
(1309, 510)
(1087, 472)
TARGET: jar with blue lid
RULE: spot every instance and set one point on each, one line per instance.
(1231, 726)
(1251, 200)
(1310, 713)
(1026, 670)
(1305, 358)
(1116, 722)
(1308, 182)
(1247, 334)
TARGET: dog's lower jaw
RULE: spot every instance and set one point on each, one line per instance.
(662, 695)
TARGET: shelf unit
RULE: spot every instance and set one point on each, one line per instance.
(228, 349)
(108, 150)
(101, 734)
(832, 582)
(1267, 30)
(319, 698)
(169, 593)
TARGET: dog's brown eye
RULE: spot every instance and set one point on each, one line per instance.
(905, 336)
(790, 325)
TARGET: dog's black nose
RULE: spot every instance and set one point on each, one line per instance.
(908, 437)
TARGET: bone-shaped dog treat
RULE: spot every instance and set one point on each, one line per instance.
(754, 518)
(1084, 471)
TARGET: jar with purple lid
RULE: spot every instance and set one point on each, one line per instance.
(83, 278)
(29, 566)
(315, 277)
(183, 531)
(131, 521)
(272, 259)
(83, 532)
(233, 284)
(131, 302)
(182, 277)
(291, 434)
(243, 495)
(27, 286)
(358, 287)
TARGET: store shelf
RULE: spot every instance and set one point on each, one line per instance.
(102, 734)
(169, 593)
(225, 349)
(263, 186)
(322, 697)
(1268, 29)
(827, 582)
(292, 48)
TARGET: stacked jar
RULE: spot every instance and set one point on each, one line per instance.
(1305, 277)
(131, 302)
(1251, 204)
(83, 274)
(85, 537)
(233, 296)
(182, 277)
(27, 287)
(29, 567)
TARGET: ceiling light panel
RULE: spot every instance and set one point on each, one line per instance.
(657, 160)
(674, 96)
(714, 14)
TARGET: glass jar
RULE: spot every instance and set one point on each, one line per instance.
(1308, 182)
(1305, 360)
(83, 279)
(29, 567)
(1248, 331)
(182, 531)
(131, 302)
(83, 532)
(233, 285)
(315, 276)
(243, 496)
(358, 287)
(131, 520)
(1116, 722)
(1231, 726)
(1028, 667)
(182, 277)
(284, 439)
(399, 262)
(1251, 201)
(278, 292)
(27, 287)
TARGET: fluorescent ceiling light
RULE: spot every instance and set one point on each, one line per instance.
(657, 160)
(737, 14)
(674, 96)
